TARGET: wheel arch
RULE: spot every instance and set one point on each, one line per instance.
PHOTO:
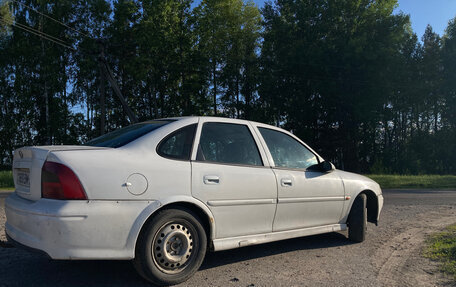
(371, 205)
(206, 219)
(198, 208)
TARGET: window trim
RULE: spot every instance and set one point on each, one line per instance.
(170, 135)
(274, 166)
(249, 129)
(231, 164)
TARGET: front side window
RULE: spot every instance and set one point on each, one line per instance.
(228, 143)
(286, 151)
(126, 135)
(178, 145)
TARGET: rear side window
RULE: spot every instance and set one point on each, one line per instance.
(286, 151)
(228, 143)
(126, 135)
(178, 145)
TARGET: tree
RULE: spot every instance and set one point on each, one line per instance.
(449, 66)
(348, 76)
(6, 18)
(227, 33)
(91, 18)
(327, 66)
(449, 89)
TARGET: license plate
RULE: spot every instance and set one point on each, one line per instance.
(23, 178)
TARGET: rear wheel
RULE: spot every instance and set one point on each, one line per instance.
(171, 248)
(357, 219)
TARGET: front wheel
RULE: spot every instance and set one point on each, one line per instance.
(171, 248)
(357, 219)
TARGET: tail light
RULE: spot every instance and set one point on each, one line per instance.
(60, 182)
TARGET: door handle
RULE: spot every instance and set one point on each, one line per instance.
(286, 182)
(211, 179)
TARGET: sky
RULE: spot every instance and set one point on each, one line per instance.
(422, 12)
(437, 13)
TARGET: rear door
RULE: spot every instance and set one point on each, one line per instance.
(231, 176)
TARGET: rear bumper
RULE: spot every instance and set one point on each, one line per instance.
(77, 229)
(22, 246)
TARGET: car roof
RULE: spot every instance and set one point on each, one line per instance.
(212, 118)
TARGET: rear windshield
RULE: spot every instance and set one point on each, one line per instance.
(127, 134)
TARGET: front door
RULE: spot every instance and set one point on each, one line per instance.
(305, 198)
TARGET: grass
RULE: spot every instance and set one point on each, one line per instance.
(442, 247)
(6, 180)
(415, 181)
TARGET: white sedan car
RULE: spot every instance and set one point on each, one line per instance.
(163, 192)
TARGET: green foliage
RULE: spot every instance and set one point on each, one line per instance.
(415, 181)
(349, 77)
(6, 179)
(379, 168)
(6, 18)
(229, 33)
(442, 247)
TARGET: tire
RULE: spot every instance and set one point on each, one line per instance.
(171, 247)
(357, 219)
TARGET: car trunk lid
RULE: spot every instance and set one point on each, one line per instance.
(27, 164)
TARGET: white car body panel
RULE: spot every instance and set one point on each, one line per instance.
(313, 199)
(241, 241)
(76, 229)
(125, 186)
(244, 200)
(354, 184)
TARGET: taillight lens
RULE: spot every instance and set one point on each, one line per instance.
(60, 182)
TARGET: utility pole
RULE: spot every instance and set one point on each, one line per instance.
(45, 94)
(102, 94)
(110, 77)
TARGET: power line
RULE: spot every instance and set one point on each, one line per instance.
(39, 34)
(49, 17)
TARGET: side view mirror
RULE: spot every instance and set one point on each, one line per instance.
(324, 166)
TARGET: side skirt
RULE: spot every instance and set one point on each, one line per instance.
(241, 241)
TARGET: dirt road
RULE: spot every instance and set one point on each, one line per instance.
(391, 255)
